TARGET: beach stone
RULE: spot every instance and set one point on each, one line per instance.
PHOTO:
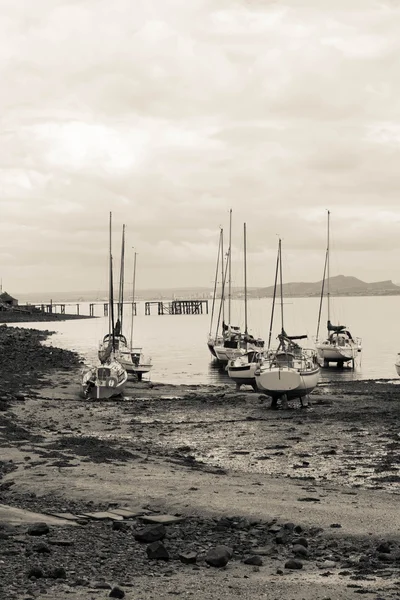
(158, 551)
(275, 529)
(41, 548)
(152, 533)
(58, 573)
(188, 558)
(162, 519)
(281, 537)
(116, 592)
(384, 557)
(384, 548)
(289, 526)
(254, 560)
(328, 564)
(35, 572)
(38, 529)
(300, 550)
(302, 541)
(218, 556)
(120, 526)
(293, 563)
(298, 529)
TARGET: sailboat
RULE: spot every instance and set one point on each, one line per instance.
(109, 378)
(397, 364)
(339, 347)
(126, 354)
(241, 369)
(232, 342)
(290, 371)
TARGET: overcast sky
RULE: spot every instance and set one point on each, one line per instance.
(170, 112)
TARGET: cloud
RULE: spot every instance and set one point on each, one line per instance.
(170, 113)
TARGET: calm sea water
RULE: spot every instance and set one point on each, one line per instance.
(178, 349)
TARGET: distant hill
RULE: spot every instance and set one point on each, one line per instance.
(341, 285)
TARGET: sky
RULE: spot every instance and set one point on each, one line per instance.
(169, 113)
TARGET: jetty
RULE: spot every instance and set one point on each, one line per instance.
(173, 307)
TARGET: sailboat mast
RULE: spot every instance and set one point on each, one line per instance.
(133, 294)
(111, 291)
(222, 277)
(121, 281)
(328, 272)
(230, 267)
(215, 283)
(245, 278)
(273, 301)
(280, 276)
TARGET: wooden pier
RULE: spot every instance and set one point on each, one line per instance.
(174, 307)
(178, 307)
(59, 308)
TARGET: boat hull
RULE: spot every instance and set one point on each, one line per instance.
(243, 374)
(328, 353)
(397, 366)
(103, 382)
(285, 381)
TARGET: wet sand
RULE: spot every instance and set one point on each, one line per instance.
(241, 475)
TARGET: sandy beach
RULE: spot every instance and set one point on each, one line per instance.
(305, 500)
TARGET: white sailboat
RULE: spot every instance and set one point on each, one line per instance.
(129, 356)
(397, 364)
(241, 369)
(339, 346)
(290, 371)
(232, 342)
(108, 378)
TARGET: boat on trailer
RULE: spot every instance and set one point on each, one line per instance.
(290, 371)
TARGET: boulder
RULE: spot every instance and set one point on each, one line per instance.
(116, 592)
(218, 556)
(158, 551)
(293, 563)
(254, 560)
(38, 529)
(152, 533)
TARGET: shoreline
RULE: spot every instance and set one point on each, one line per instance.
(36, 317)
(237, 472)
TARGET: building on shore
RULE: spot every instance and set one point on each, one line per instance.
(7, 301)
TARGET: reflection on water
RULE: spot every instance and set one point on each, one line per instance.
(177, 344)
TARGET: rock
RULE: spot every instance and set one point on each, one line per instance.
(58, 573)
(41, 548)
(302, 541)
(152, 533)
(254, 560)
(335, 525)
(384, 547)
(119, 526)
(328, 564)
(386, 557)
(188, 558)
(298, 529)
(35, 572)
(38, 529)
(157, 550)
(281, 537)
(300, 550)
(293, 563)
(289, 526)
(116, 592)
(279, 572)
(218, 556)
(100, 585)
